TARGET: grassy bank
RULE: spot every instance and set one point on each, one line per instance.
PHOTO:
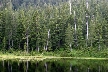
(74, 54)
(41, 58)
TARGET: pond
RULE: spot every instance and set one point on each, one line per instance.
(54, 65)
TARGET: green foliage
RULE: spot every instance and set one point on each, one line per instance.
(51, 27)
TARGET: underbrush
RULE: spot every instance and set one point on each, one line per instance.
(85, 52)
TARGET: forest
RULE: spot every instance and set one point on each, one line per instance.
(49, 25)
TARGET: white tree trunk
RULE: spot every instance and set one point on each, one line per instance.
(75, 21)
(27, 43)
(87, 5)
(3, 63)
(48, 40)
(70, 67)
(44, 48)
(8, 66)
(99, 69)
(47, 46)
(11, 68)
(87, 28)
(38, 49)
(88, 69)
(70, 47)
(27, 66)
(12, 43)
(48, 33)
(70, 4)
(46, 67)
(75, 28)
(99, 45)
(87, 34)
(19, 45)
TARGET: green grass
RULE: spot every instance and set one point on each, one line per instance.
(74, 54)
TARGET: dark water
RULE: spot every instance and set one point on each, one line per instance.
(60, 65)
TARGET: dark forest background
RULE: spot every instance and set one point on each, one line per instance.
(48, 25)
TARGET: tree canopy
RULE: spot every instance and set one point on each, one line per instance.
(48, 25)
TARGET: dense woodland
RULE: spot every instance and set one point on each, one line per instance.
(37, 25)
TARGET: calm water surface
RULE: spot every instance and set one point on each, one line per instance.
(55, 65)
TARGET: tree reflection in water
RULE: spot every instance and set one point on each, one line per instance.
(54, 66)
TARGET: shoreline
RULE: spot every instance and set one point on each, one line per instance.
(41, 58)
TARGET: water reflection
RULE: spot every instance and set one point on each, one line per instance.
(54, 66)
